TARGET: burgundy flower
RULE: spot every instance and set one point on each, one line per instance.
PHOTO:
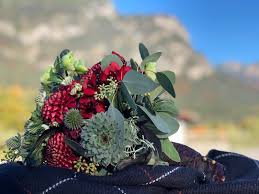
(57, 105)
(58, 154)
(89, 106)
(115, 71)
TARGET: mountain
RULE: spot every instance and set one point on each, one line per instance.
(33, 32)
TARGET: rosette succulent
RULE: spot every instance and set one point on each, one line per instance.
(103, 137)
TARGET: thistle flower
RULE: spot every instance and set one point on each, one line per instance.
(73, 119)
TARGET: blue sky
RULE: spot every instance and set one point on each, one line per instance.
(223, 30)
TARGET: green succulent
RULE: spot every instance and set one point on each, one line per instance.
(73, 119)
(103, 137)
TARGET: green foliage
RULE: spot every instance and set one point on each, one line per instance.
(164, 123)
(151, 58)
(165, 105)
(143, 51)
(138, 83)
(166, 79)
(107, 60)
(169, 149)
(77, 148)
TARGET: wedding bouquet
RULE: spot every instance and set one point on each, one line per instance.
(100, 119)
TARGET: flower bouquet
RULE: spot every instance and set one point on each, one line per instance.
(100, 119)
(90, 123)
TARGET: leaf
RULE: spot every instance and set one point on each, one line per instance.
(14, 142)
(163, 122)
(148, 105)
(134, 65)
(76, 147)
(169, 150)
(138, 83)
(34, 157)
(166, 79)
(143, 51)
(116, 115)
(107, 60)
(126, 96)
(59, 67)
(151, 58)
(156, 93)
(165, 105)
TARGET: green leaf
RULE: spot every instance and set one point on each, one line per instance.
(134, 65)
(166, 79)
(143, 51)
(165, 105)
(116, 115)
(138, 83)
(156, 93)
(76, 147)
(169, 150)
(107, 60)
(126, 96)
(14, 142)
(151, 58)
(148, 105)
(35, 156)
(163, 122)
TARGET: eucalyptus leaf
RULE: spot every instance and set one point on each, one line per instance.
(163, 121)
(76, 147)
(137, 83)
(156, 93)
(34, 157)
(169, 150)
(126, 96)
(166, 79)
(165, 105)
(143, 51)
(151, 58)
(108, 59)
(134, 65)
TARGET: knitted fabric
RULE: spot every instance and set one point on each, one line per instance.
(242, 176)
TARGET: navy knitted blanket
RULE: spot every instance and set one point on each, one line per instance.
(242, 177)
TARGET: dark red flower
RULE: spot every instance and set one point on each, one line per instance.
(57, 105)
(58, 154)
(89, 106)
(121, 57)
(115, 71)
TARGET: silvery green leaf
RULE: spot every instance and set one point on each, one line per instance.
(108, 59)
(165, 123)
(143, 51)
(166, 79)
(137, 83)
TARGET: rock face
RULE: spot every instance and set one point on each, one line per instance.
(32, 32)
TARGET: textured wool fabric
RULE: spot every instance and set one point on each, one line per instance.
(242, 176)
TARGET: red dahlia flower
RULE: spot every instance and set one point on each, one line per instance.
(58, 154)
(57, 105)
